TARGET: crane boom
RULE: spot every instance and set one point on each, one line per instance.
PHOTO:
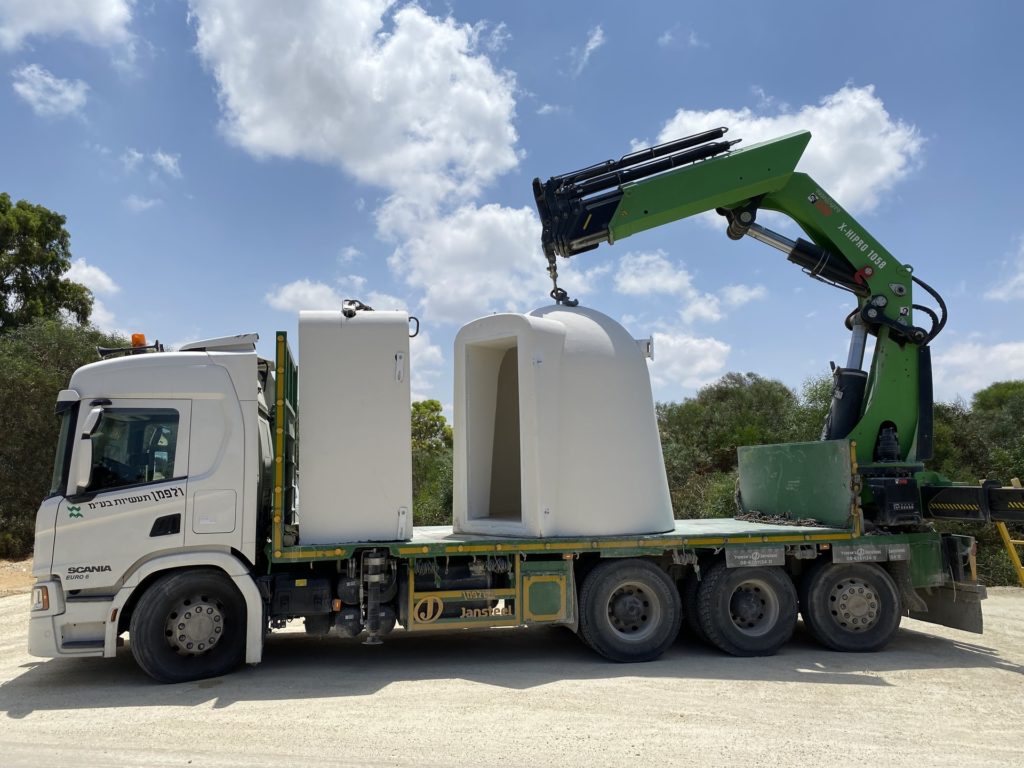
(885, 410)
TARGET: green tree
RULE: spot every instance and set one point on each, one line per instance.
(738, 409)
(430, 430)
(36, 361)
(431, 464)
(998, 411)
(699, 438)
(1001, 394)
(35, 253)
(815, 401)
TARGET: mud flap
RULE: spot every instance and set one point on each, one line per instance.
(953, 605)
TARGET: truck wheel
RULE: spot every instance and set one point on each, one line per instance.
(188, 625)
(850, 606)
(691, 612)
(747, 611)
(629, 610)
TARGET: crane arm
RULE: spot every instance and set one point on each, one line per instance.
(610, 201)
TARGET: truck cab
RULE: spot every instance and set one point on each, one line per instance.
(159, 455)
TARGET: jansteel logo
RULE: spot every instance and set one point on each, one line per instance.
(428, 610)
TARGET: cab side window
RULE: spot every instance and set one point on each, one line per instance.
(132, 446)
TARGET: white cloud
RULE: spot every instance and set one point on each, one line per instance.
(966, 367)
(704, 307)
(304, 294)
(162, 163)
(131, 158)
(645, 273)
(167, 163)
(668, 39)
(548, 109)
(641, 274)
(738, 295)
(47, 94)
(103, 318)
(101, 284)
(684, 360)
(386, 301)
(426, 364)
(475, 261)
(92, 277)
(312, 294)
(858, 151)
(97, 22)
(349, 254)
(582, 56)
(138, 204)
(495, 38)
(1012, 287)
(352, 283)
(404, 100)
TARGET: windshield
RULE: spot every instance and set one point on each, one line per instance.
(60, 462)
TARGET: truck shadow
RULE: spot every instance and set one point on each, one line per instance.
(296, 666)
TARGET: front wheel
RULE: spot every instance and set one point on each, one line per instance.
(747, 611)
(629, 610)
(187, 626)
(850, 606)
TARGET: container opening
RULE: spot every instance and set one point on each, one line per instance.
(492, 419)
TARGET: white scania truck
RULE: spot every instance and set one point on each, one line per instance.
(193, 509)
(178, 513)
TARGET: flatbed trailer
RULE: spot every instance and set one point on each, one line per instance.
(544, 574)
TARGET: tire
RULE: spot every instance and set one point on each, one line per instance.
(169, 606)
(629, 610)
(747, 611)
(691, 612)
(852, 607)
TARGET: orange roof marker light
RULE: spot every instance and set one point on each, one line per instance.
(138, 347)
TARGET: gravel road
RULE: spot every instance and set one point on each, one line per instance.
(935, 697)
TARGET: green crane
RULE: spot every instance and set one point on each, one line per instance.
(884, 411)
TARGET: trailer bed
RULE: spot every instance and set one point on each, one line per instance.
(715, 528)
(441, 540)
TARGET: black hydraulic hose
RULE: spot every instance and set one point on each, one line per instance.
(935, 319)
(941, 323)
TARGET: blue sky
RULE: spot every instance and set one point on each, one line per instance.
(225, 163)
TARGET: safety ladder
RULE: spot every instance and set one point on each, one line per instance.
(1011, 544)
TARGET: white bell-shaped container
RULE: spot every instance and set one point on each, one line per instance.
(555, 430)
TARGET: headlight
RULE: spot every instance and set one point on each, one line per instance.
(40, 599)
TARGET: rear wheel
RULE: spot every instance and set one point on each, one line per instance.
(850, 606)
(747, 611)
(189, 625)
(629, 610)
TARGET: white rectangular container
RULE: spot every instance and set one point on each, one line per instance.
(355, 455)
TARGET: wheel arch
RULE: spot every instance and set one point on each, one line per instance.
(139, 580)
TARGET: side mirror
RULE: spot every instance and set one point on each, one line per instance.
(83, 453)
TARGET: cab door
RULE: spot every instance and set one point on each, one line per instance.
(136, 461)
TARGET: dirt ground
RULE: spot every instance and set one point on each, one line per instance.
(935, 697)
(15, 576)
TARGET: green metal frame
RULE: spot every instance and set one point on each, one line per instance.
(284, 428)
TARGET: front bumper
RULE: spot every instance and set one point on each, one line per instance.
(59, 628)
